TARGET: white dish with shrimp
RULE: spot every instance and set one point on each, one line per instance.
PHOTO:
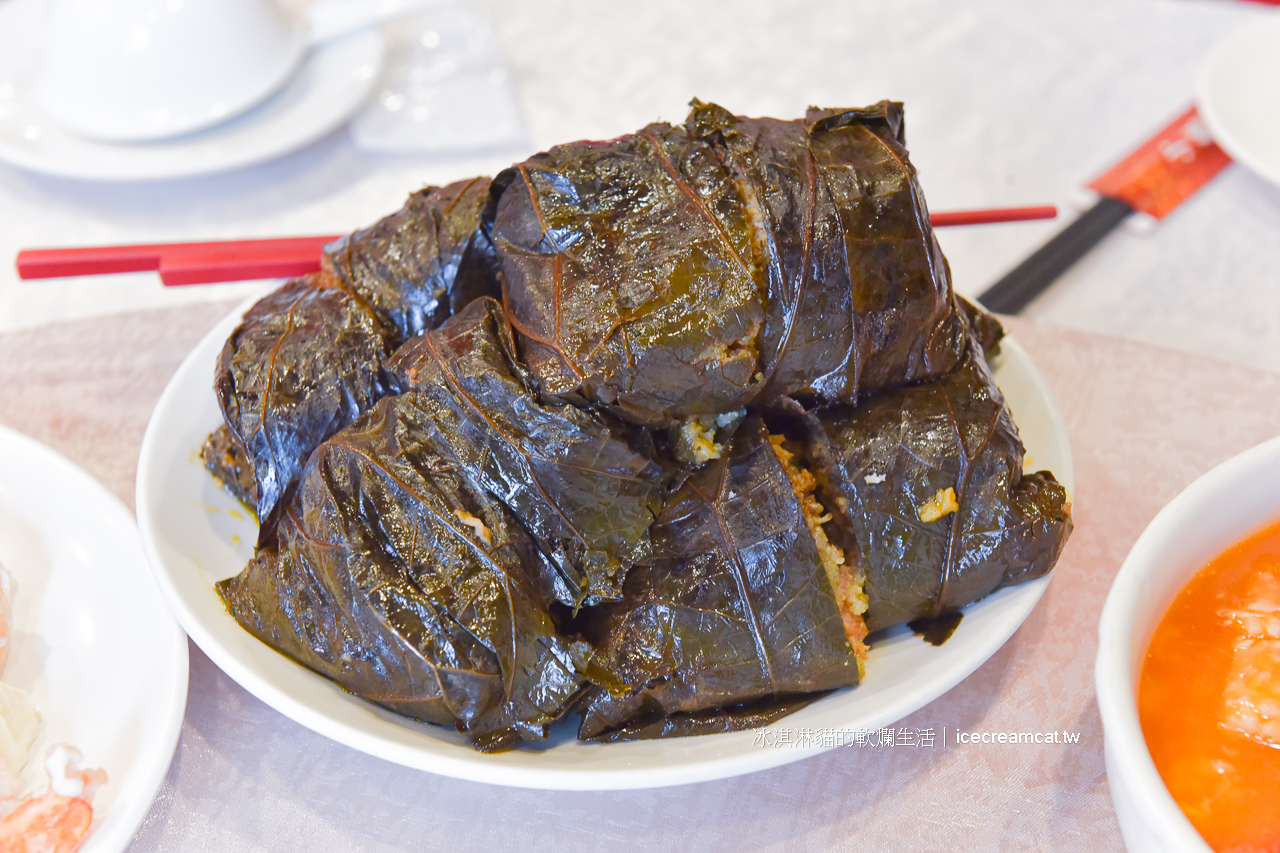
(91, 641)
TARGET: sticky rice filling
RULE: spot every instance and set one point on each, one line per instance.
(846, 581)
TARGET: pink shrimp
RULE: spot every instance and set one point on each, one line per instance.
(56, 820)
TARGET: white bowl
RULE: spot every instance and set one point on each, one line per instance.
(133, 70)
(1221, 508)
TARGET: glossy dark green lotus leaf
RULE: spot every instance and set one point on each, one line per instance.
(305, 362)
(397, 580)
(983, 325)
(633, 275)
(724, 269)
(885, 460)
(734, 613)
(225, 457)
(414, 268)
(691, 270)
(576, 486)
(646, 719)
(859, 292)
(308, 359)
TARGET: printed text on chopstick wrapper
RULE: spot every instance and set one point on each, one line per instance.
(1167, 169)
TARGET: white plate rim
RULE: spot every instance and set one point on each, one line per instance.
(113, 831)
(318, 107)
(1207, 95)
(627, 765)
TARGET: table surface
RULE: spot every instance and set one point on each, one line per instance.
(1162, 346)
(1143, 422)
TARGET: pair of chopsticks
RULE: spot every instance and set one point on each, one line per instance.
(182, 263)
(241, 260)
(1153, 179)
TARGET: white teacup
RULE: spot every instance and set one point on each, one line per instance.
(136, 70)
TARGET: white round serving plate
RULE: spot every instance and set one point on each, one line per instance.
(195, 534)
(333, 81)
(1238, 96)
(1222, 507)
(92, 641)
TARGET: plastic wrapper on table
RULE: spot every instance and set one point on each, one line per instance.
(580, 490)
(397, 580)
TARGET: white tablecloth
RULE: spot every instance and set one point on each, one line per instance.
(1008, 103)
(1143, 422)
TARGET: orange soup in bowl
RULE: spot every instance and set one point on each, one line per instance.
(1209, 697)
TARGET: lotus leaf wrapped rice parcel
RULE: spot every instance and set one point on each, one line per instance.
(659, 431)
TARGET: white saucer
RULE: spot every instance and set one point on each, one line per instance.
(334, 80)
(1238, 96)
(92, 642)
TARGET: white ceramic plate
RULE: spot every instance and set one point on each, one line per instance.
(196, 534)
(1238, 96)
(334, 80)
(92, 642)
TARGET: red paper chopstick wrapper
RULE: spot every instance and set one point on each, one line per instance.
(1158, 176)
(1167, 169)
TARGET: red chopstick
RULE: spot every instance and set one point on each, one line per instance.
(999, 214)
(240, 260)
(182, 263)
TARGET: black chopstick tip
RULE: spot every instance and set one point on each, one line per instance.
(1033, 276)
